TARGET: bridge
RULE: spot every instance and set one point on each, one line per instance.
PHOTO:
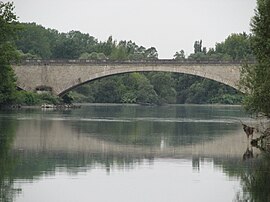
(61, 76)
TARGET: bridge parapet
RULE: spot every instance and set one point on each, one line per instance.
(135, 62)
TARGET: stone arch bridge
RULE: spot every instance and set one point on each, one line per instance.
(61, 76)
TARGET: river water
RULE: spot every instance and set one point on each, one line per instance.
(130, 153)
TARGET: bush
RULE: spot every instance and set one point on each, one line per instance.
(30, 98)
(27, 98)
(47, 98)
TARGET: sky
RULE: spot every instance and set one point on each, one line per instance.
(167, 25)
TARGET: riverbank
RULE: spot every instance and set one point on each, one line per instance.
(79, 105)
(260, 128)
(42, 106)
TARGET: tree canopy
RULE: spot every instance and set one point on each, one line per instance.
(8, 52)
(35, 41)
(234, 48)
(256, 78)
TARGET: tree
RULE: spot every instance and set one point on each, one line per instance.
(256, 78)
(200, 53)
(36, 40)
(164, 86)
(93, 56)
(107, 91)
(119, 53)
(151, 53)
(8, 30)
(179, 55)
(198, 46)
(236, 47)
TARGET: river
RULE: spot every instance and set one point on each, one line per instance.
(130, 153)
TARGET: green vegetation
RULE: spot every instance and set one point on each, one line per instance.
(256, 78)
(236, 47)
(35, 41)
(30, 98)
(8, 30)
(156, 88)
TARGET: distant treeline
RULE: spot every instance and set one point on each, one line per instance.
(36, 42)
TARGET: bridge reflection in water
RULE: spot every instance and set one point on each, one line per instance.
(57, 136)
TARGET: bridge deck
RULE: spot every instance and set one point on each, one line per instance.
(135, 62)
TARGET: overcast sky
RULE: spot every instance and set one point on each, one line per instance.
(168, 25)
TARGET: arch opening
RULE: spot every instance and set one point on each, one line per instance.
(43, 89)
(199, 82)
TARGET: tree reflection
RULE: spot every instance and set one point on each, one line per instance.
(7, 163)
(150, 126)
(248, 153)
(256, 180)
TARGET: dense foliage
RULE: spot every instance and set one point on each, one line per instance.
(157, 88)
(236, 47)
(8, 30)
(35, 41)
(256, 78)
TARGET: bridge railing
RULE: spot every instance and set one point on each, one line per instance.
(142, 62)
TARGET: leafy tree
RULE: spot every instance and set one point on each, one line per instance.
(151, 53)
(198, 56)
(66, 47)
(146, 93)
(200, 53)
(164, 86)
(179, 55)
(137, 88)
(256, 78)
(106, 47)
(129, 97)
(35, 40)
(198, 46)
(119, 53)
(236, 46)
(107, 91)
(68, 98)
(8, 30)
(93, 56)
(197, 93)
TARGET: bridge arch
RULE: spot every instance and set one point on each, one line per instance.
(62, 77)
(97, 77)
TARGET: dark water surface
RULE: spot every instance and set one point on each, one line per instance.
(130, 153)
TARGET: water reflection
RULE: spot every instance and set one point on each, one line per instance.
(248, 153)
(7, 162)
(186, 144)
